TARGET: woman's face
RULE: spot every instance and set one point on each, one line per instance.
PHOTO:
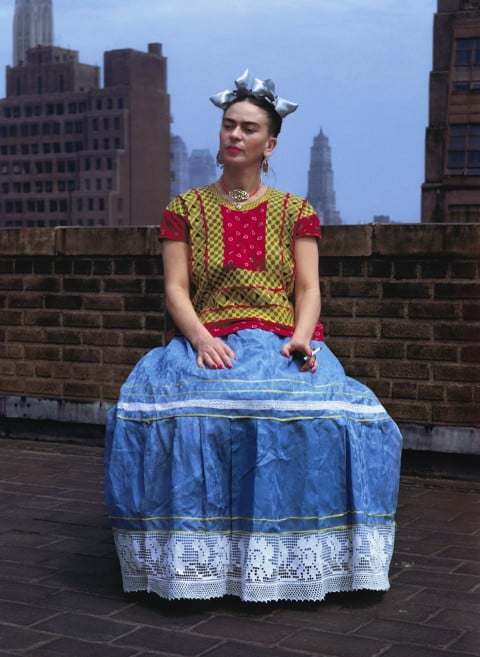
(245, 138)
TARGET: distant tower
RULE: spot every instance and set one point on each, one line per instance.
(320, 181)
(201, 168)
(179, 176)
(32, 26)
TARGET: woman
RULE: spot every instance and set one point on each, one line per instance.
(240, 459)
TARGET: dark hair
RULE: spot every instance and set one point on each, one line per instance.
(274, 119)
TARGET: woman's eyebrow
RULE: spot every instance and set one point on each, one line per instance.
(245, 123)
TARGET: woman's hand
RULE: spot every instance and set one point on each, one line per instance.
(214, 353)
(303, 349)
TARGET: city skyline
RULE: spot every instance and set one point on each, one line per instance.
(359, 71)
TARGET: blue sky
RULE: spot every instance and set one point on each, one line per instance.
(359, 70)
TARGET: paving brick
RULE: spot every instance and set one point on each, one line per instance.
(75, 648)
(415, 633)
(180, 643)
(20, 639)
(325, 643)
(247, 629)
(231, 649)
(403, 651)
(469, 643)
(456, 618)
(84, 625)
(438, 580)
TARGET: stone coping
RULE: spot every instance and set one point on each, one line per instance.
(350, 240)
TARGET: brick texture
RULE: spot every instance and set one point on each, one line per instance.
(401, 308)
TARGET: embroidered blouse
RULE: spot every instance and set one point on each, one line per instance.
(242, 264)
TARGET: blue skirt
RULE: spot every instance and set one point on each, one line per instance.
(259, 481)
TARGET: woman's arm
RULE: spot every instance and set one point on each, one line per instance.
(307, 299)
(211, 351)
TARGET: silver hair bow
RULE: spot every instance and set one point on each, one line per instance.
(264, 88)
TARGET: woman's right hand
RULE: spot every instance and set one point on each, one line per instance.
(214, 353)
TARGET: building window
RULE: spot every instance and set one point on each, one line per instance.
(467, 64)
(464, 150)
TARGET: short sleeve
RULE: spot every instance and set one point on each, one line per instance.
(174, 227)
(308, 226)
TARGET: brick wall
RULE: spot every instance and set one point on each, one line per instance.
(401, 308)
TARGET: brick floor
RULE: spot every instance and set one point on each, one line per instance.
(61, 596)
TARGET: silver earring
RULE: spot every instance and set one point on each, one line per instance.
(219, 160)
(265, 165)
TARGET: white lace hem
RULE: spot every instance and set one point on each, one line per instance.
(256, 567)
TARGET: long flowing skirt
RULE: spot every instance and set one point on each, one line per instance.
(258, 481)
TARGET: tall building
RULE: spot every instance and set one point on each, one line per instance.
(73, 153)
(321, 192)
(451, 191)
(201, 167)
(179, 175)
(32, 26)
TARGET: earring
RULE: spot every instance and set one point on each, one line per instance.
(219, 160)
(265, 165)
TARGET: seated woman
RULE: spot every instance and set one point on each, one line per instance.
(240, 459)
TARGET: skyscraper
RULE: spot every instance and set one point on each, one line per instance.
(32, 26)
(321, 193)
(451, 191)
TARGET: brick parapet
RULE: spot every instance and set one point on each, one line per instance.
(401, 308)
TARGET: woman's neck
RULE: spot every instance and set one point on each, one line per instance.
(245, 181)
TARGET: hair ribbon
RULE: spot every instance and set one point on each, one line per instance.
(264, 88)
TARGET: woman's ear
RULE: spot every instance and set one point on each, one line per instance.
(271, 143)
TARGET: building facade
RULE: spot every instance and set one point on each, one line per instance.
(75, 154)
(321, 193)
(32, 26)
(451, 191)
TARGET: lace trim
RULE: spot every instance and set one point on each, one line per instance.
(256, 568)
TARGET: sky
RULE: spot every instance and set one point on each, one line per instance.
(359, 70)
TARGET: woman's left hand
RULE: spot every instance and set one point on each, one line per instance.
(302, 349)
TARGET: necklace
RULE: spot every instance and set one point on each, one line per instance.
(239, 195)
